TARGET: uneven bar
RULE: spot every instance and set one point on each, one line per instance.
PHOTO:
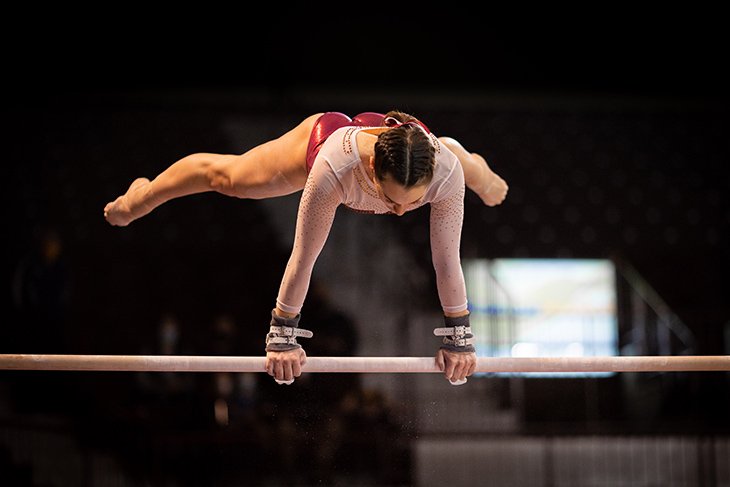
(182, 363)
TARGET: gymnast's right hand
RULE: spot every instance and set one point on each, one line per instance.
(285, 366)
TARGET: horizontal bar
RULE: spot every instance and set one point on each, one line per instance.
(182, 363)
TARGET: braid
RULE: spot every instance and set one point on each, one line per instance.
(405, 153)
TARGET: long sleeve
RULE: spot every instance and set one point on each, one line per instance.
(446, 221)
(317, 207)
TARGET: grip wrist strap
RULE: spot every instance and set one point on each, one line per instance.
(457, 335)
(283, 333)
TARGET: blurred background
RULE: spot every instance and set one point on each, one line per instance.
(610, 128)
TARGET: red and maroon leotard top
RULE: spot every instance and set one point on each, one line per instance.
(331, 121)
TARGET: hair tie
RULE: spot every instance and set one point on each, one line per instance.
(392, 122)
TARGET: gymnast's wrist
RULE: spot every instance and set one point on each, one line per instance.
(283, 314)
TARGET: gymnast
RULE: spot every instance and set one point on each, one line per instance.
(372, 163)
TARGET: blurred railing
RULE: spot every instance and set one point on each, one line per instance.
(647, 323)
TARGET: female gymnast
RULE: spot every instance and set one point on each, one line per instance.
(372, 163)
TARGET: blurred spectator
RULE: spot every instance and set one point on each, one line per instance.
(166, 398)
(234, 394)
(41, 296)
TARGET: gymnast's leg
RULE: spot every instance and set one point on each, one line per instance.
(478, 176)
(275, 168)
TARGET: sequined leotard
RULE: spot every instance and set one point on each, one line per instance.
(337, 176)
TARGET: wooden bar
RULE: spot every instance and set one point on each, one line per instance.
(181, 363)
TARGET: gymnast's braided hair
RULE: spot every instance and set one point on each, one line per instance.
(405, 152)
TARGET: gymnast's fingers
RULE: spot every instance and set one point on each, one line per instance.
(460, 370)
(278, 370)
(287, 373)
(296, 366)
(450, 367)
(472, 366)
(440, 360)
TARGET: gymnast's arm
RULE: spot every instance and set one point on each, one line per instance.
(317, 207)
(446, 223)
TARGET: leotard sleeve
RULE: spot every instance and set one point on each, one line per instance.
(320, 199)
(446, 221)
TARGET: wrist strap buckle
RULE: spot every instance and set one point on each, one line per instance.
(452, 331)
(283, 338)
(290, 331)
(459, 342)
(456, 338)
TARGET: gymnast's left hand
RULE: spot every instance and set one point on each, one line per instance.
(456, 366)
(285, 366)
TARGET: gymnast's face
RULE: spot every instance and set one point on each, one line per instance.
(399, 198)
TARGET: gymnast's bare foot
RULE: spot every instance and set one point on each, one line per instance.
(492, 189)
(118, 212)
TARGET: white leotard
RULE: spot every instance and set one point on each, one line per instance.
(338, 177)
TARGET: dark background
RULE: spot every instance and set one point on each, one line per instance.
(630, 107)
(651, 86)
(663, 52)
